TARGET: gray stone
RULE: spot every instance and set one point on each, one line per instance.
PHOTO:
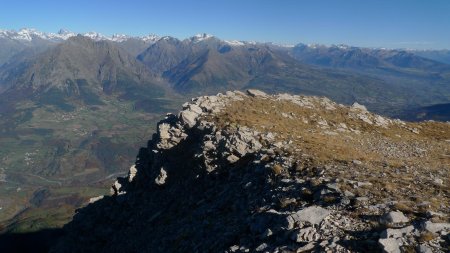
(256, 93)
(333, 186)
(435, 214)
(234, 248)
(362, 184)
(394, 217)
(267, 233)
(195, 108)
(232, 158)
(357, 162)
(382, 122)
(349, 194)
(397, 233)
(290, 222)
(360, 201)
(189, 118)
(438, 181)
(312, 214)
(389, 245)
(163, 130)
(132, 173)
(209, 145)
(261, 247)
(308, 247)
(116, 188)
(95, 199)
(358, 107)
(436, 227)
(161, 178)
(424, 249)
(307, 234)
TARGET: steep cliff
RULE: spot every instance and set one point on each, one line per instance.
(276, 173)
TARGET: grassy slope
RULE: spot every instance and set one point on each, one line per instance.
(402, 162)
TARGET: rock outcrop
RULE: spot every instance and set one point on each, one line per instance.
(276, 173)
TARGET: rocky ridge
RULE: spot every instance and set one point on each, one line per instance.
(254, 172)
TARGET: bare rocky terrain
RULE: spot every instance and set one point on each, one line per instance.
(251, 172)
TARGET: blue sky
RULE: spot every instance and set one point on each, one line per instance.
(383, 23)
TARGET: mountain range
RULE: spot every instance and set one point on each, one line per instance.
(74, 107)
(204, 63)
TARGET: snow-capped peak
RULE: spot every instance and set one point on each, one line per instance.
(64, 34)
(151, 38)
(24, 34)
(96, 36)
(120, 37)
(29, 34)
(235, 43)
(200, 37)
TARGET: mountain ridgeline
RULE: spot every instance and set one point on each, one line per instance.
(251, 172)
(387, 81)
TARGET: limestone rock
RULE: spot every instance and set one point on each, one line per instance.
(312, 214)
(424, 249)
(389, 245)
(94, 199)
(397, 233)
(307, 248)
(357, 106)
(256, 93)
(436, 227)
(308, 234)
(161, 178)
(132, 173)
(189, 118)
(394, 217)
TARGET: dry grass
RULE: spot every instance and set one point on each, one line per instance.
(426, 236)
(277, 169)
(400, 164)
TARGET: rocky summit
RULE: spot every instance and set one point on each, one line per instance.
(252, 172)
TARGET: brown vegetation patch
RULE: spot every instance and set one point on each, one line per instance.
(405, 163)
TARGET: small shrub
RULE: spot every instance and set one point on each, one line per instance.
(277, 169)
(426, 236)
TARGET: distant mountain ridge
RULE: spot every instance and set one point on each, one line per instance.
(206, 64)
(29, 34)
(198, 65)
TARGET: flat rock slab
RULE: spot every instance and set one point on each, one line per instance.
(394, 217)
(436, 227)
(312, 214)
(256, 93)
(389, 245)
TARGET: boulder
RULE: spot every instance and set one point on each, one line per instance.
(189, 118)
(389, 245)
(308, 234)
(424, 249)
(161, 178)
(397, 233)
(312, 214)
(357, 106)
(394, 217)
(436, 227)
(256, 93)
(132, 173)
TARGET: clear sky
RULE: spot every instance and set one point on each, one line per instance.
(373, 23)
